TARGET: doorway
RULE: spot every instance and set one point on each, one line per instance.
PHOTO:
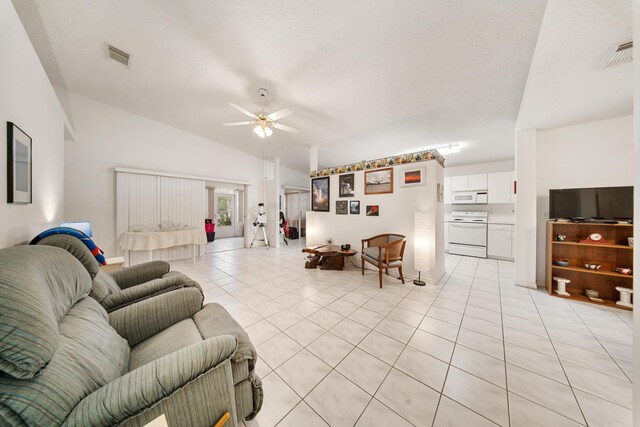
(224, 214)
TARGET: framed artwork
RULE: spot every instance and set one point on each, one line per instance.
(378, 181)
(341, 207)
(19, 183)
(373, 210)
(354, 207)
(413, 177)
(346, 183)
(320, 194)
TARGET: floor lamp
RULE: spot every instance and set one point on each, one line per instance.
(422, 249)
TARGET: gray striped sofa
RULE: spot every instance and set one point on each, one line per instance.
(125, 286)
(65, 361)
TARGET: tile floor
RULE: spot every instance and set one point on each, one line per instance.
(226, 244)
(473, 350)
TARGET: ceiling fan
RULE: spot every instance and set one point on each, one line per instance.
(264, 123)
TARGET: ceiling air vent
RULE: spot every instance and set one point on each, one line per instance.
(623, 53)
(118, 55)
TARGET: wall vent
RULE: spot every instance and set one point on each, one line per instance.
(118, 55)
(623, 53)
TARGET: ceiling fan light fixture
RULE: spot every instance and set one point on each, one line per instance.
(262, 131)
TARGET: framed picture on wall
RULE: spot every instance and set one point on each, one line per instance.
(413, 177)
(354, 207)
(19, 183)
(373, 210)
(341, 207)
(379, 181)
(346, 183)
(320, 196)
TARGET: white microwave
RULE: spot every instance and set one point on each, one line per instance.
(469, 198)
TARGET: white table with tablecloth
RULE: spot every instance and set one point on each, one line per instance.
(150, 241)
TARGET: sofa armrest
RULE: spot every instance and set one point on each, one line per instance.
(192, 386)
(146, 290)
(140, 273)
(139, 321)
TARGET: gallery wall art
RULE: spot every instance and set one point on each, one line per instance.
(320, 195)
(19, 169)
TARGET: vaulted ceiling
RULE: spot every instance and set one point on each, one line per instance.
(364, 79)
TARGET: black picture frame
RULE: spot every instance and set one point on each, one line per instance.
(320, 194)
(19, 166)
(347, 185)
(354, 207)
(342, 207)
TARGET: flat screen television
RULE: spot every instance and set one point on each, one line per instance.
(603, 203)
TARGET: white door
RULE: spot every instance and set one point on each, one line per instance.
(225, 215)
(447, 190)
(478, 182)
(466, 233)
(499, 187)
(459, 183)
(499, 243)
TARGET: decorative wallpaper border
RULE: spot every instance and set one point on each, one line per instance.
(420, 156)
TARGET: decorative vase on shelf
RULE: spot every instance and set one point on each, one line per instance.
(562, 286)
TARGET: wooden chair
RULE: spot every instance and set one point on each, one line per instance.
(385, 251)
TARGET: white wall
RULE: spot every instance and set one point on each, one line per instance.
(636, 227)
(526, 208)
(396, 215)
(595, 154)
(109, 137)
(503, 166)
(28, 100)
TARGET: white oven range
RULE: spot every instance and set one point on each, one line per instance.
(468, 234)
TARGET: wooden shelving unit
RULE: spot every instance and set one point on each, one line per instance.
(609, 256)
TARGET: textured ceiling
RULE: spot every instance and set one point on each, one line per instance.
(364, 79)
(568, 82)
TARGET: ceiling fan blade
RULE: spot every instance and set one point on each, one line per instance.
(286, 128)
(242, 110)
(237, 123)
(277, 115)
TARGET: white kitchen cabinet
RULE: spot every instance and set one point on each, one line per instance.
(477, 182)
(460, 183)
(513, 186)
(513, 242)
(499, 187)
(500, 241)
(469, 182)
(447, 190)
(446, 236)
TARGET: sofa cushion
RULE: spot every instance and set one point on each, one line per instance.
(75, 247)
(372, 252)
(214, 320)
(103, 286)
(38, 285)
(175, 337)
(90, 354)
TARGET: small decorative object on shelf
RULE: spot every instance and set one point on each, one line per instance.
(561, 237)
(630, 241)
(562, 286)
(625, 296)
(624, 270)
(592, 266)
(593, 295)
(561, 262)
(596, 239)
